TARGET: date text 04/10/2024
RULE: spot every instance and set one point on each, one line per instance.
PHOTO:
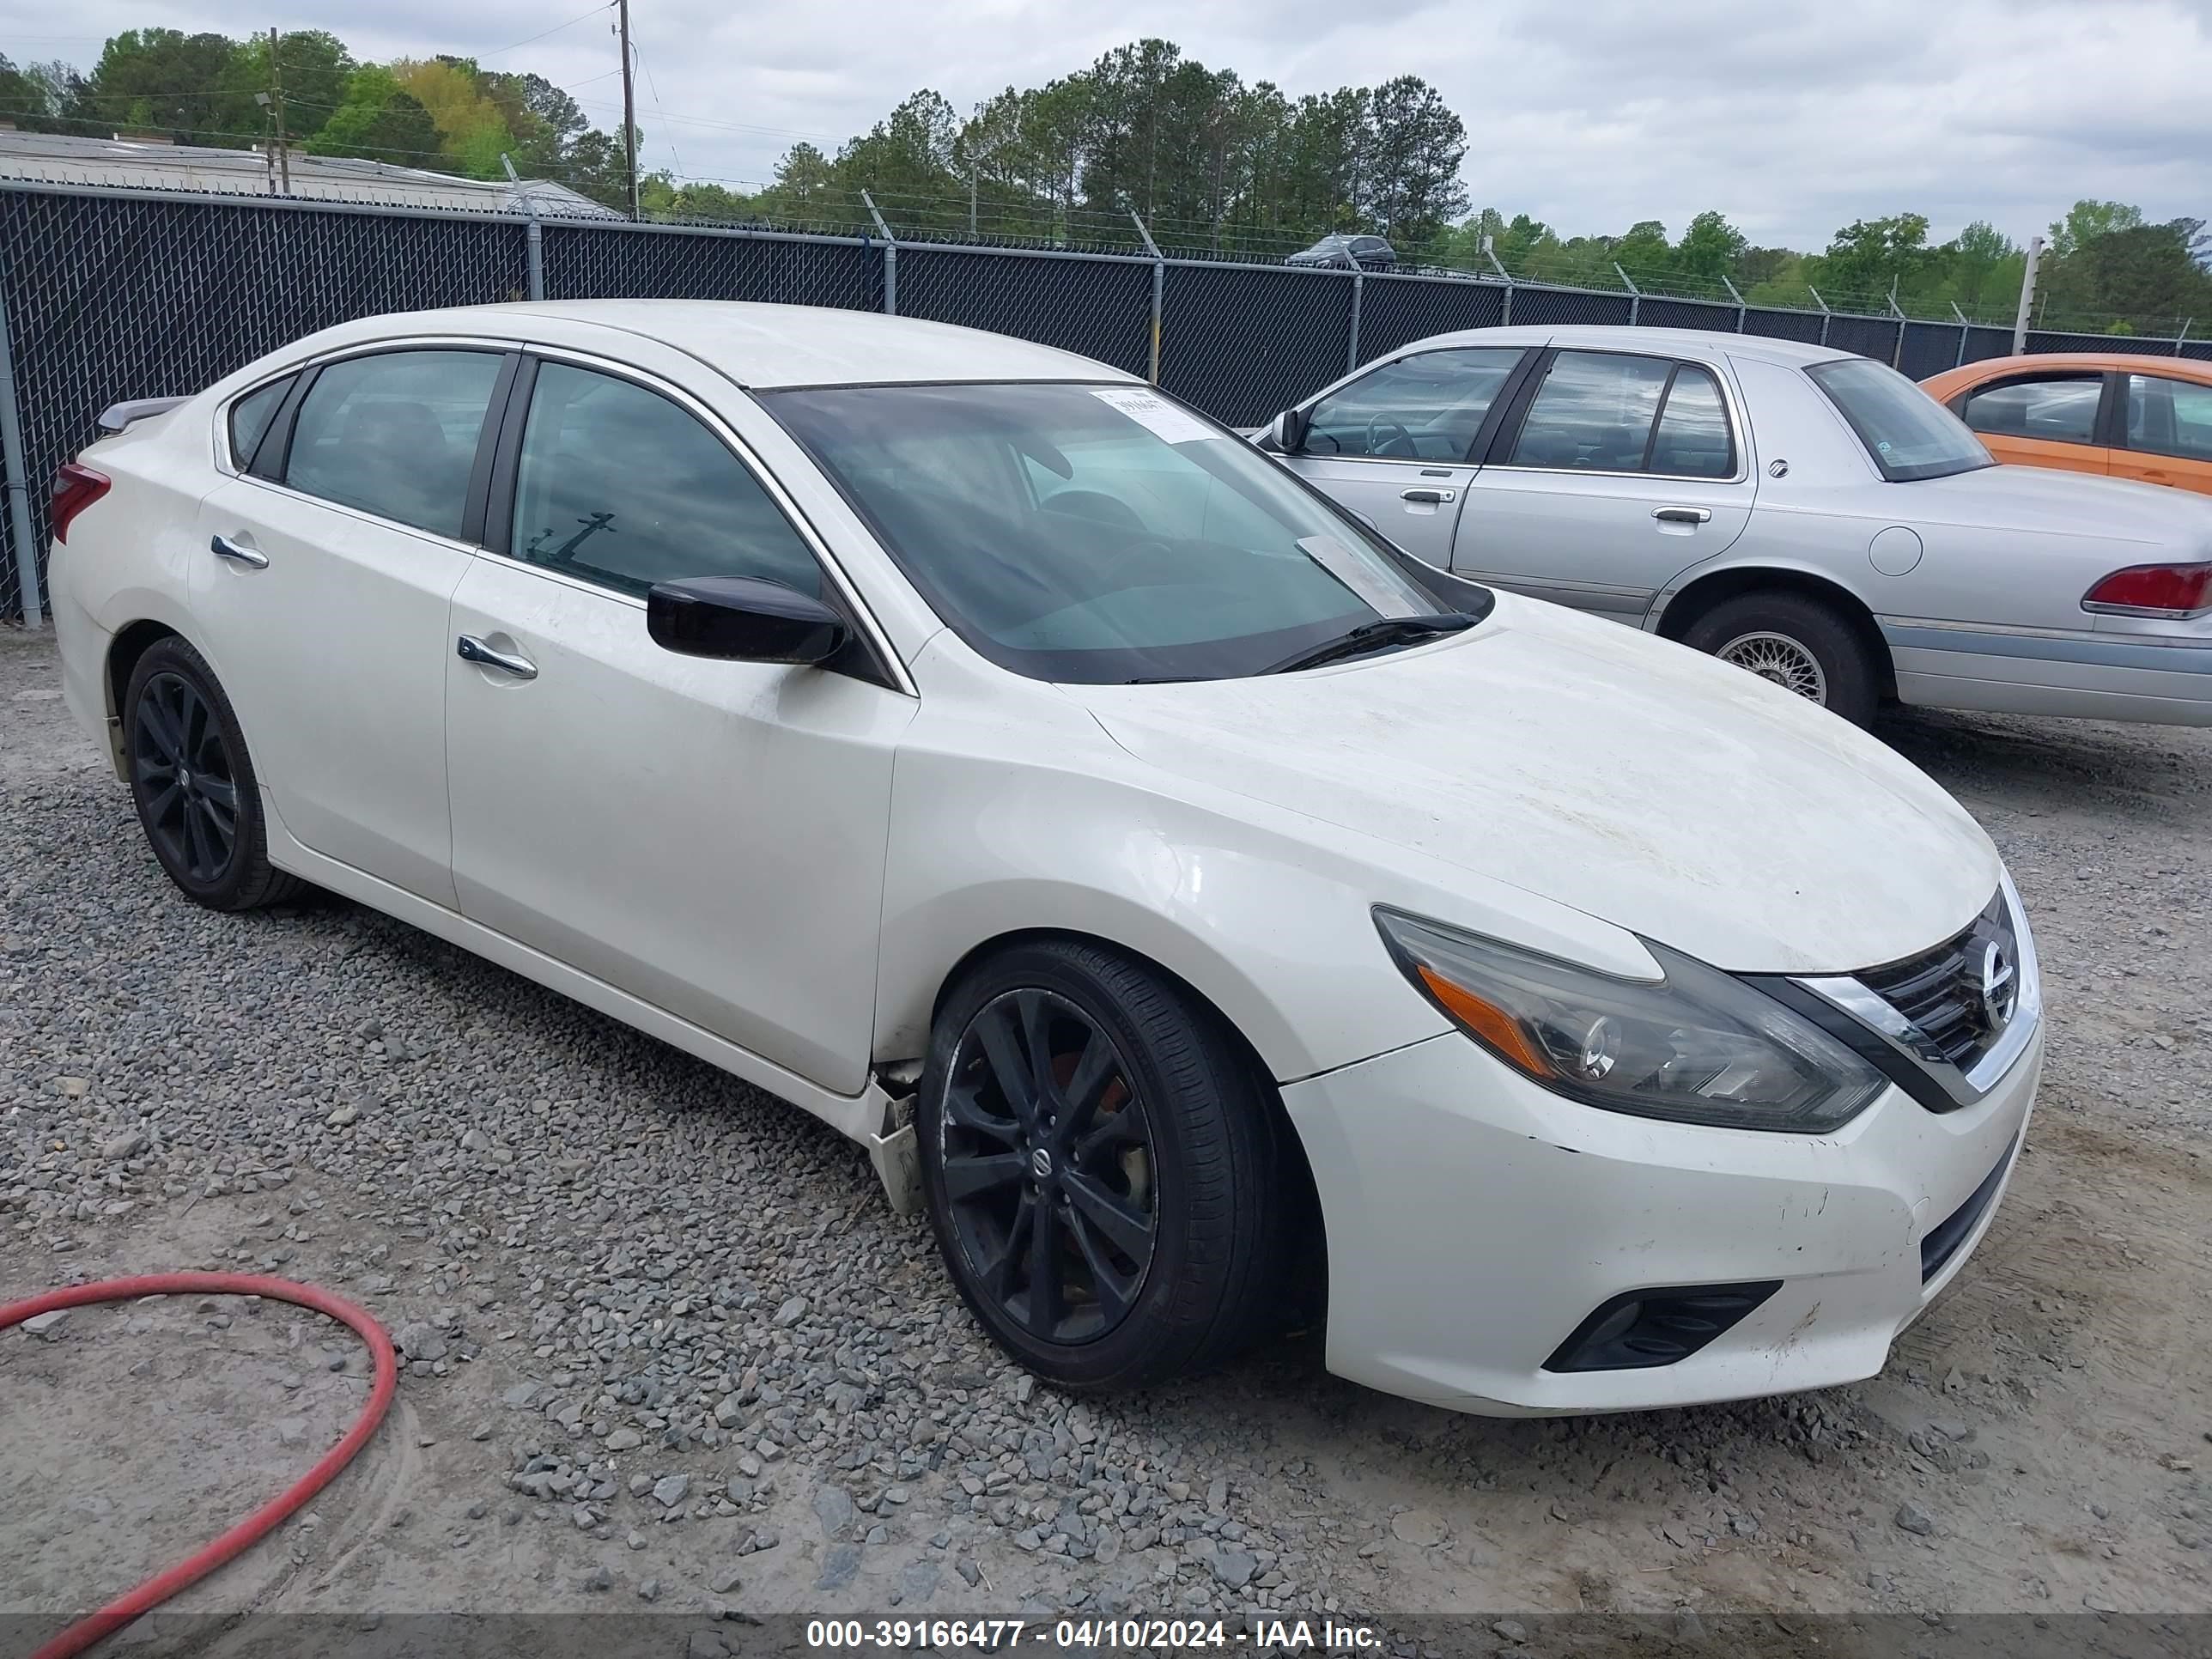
(1093, 1635)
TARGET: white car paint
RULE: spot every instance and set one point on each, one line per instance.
(777, 868)
(1974, 583)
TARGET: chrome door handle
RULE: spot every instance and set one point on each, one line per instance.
(226, 548)
(1682, 514)
(1434, 497)
(469, 649)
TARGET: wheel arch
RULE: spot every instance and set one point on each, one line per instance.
(131, 642)
(1681, 611)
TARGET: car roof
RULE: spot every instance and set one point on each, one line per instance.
(2147, 362)
(765, 346)
(1623, 337)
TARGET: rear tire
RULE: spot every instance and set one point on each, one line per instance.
(1798, 642)
(1071, 1088)
(193, 783)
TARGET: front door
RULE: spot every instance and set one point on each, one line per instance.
(321, 592)
(707, 836)
(1624, 469)
(1396, 445)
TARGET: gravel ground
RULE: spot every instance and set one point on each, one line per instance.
(666, 1341)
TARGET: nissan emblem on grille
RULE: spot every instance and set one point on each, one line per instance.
(2000, 987)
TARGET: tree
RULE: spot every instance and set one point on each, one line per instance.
(1711, 248)
(380, 120)
(36, 96)
(1868, 255)
(2086, 221)
(164, 81)
(1414, 146)
(472, 132)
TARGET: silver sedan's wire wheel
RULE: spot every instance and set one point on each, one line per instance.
(1778, 658)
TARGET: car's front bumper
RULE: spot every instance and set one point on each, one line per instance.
(1474, 1220)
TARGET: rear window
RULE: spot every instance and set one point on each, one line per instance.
(1908, 435)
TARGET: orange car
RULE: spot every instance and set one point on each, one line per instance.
(2091, 412)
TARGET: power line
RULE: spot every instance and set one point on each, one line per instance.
(502, 51)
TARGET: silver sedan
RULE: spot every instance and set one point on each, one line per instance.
(1807, 514)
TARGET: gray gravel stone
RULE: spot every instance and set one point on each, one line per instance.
(839, 1565)
(834, 1509)
(1914, 1519)
(670, 1490)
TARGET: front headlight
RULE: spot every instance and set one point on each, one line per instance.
(1697, 1046)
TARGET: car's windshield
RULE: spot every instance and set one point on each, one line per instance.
(1909, 435)
(1097, 533)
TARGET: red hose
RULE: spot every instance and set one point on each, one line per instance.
(164, 1585)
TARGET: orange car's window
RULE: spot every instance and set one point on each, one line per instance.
(2170, 417)
(2062, 407)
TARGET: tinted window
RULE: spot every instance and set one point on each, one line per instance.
(1693, 439)
(249, 419)
(1907, 433)
(395, 434)
(2170, 417)
(1097, 534)
(1425, 408)
(620, 486)
(2062, 408)
(1595, 410)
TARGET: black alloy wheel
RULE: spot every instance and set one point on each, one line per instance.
(1049, 1167)
(181, 769)
(1102, 1165)
(193, 782)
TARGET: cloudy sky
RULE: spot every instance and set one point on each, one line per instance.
(1791, 118)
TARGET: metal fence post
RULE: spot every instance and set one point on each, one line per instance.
(2187, 323)
(536, 232)
(1504, 277)
(890, 256)
(1635, 294)
(1159, 289)
(1825, 313)
(1351, 349)
(1740, 307)
(1963, 328)
(18, 487)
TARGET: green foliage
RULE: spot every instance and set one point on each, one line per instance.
(381, 121)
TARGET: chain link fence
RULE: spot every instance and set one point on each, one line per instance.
(113, 293)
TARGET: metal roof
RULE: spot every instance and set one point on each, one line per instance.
(63, 158)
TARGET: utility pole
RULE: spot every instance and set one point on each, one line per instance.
(276, 92)
(975, 172)
(2026, 296)
(630, 111)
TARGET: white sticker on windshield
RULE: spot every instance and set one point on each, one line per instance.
(1155, 413)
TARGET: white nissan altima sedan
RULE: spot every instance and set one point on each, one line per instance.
(1156, 869)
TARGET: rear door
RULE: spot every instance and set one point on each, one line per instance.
(2167, 433)
(1614, 470)
(1396, 445)
(324, 577)
(2045, 417)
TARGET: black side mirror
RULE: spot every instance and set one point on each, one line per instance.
(742, 619)
(1287, 433)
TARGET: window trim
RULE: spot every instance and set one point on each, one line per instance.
(1508, 431)
(2101, 423)
(888, 669)
(2120, 415)
(1483, 433)
(227, 433)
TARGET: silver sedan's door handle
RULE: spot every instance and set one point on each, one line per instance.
(469, 649)
(237, 553)
(1682, 514)
(1423, 493)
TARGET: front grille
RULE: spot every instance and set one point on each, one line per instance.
(1940, 991)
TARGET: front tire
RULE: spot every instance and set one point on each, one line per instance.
(193, 783)
(1098, 1154)
(1797, 642)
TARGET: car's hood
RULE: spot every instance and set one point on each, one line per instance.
(1629, 778)
(2042, 498)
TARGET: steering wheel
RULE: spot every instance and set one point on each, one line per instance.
(1401, 433)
